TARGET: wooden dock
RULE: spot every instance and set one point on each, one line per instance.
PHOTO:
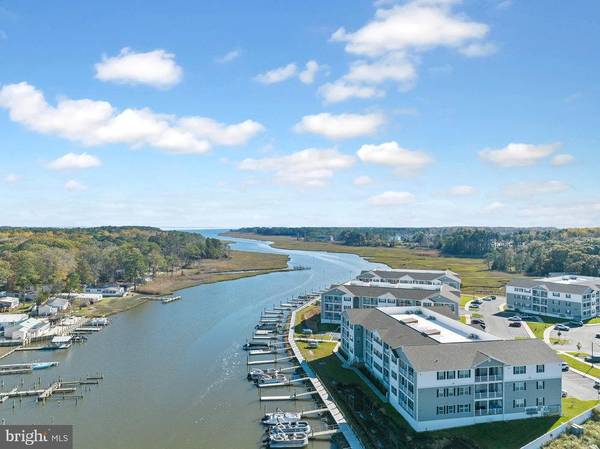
(291, 397)
(270, 361)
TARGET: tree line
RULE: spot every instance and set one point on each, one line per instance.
(67, 259)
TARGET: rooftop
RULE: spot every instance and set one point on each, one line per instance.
(408, 292)
(422, 275)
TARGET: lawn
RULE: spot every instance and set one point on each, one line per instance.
(376, 422)
(310, 318)
(538, 328)
(590, 436)
(475, 275)
(580, 366)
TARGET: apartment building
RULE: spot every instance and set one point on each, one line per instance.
(365, 295)
(412, 277)
(439, 373)
(564, 296)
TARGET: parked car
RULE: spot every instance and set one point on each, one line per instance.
(597, 385)
(492, 297)
(474, 306)
(597, 335)
(592, 359)
(575, 323)
(563, 393)
(562, 327)
(514, 318)
(564, 366)
(515, 324)
(477, 321)
(476, 302)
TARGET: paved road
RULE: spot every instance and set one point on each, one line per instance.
(496, 322)
(586, 335)
(579, 386)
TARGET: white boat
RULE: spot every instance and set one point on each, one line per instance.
(298, 426)
(272, 379)
(281, 440)
(99, 322)
(280, 417)
(258, 373)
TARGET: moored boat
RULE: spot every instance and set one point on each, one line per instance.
(298, 426)
(281, 417)
(286, 440)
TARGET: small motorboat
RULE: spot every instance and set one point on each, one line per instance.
(256, 344)
(99, 322)
(43, 365)
(281, 417)
(282, 440)
(272, 379)
(294, 427)
(257, 373)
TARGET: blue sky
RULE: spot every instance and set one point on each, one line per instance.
(225, 114)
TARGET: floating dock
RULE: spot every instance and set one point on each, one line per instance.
(291, 397)
(168, 299)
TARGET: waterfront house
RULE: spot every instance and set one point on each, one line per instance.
(9, 302)
(561, 296)
(106, 290)
(60, 304)
(10, 319)
(45, 310)
(439, 373)
(28, 329)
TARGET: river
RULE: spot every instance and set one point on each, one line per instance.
(174, 375)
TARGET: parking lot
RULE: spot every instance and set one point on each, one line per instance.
(586, 335)
(496, 321)
(579, 386)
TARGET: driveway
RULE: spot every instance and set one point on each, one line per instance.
(496, 321)
(579, 386)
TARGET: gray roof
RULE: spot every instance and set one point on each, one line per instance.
(392, 331)
(451, 356)
(426, 354)
(577, 289)
(419, 275)
(416, 293)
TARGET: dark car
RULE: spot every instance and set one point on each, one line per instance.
(477, 321)
(515, 324)
(564, 366)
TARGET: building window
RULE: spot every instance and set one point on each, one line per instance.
(519, 403)
(450, 374)
(394, 391)
(519, 369)
(540, 401)
(519, 386)
(440, 410)
(539, 368)
(540, 385)
(464, 373)
(441, 375)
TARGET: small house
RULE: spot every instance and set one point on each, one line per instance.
(60, 304)
(8, 303)
(25, 330)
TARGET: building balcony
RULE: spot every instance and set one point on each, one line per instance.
(490, 411)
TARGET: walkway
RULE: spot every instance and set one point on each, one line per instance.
(337, 415)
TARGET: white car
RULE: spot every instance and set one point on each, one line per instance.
(561, 327)
(514, 318)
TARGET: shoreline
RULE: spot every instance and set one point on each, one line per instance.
(241, 264)
(477, 279)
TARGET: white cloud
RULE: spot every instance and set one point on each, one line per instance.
(391, 198)
(342, 126)
(74, 161)
(277, 75)
(307, 76)
(479, 49)
(229, 56)
(93, 122)
(527, 189)
(12, 178)
(75, 186)
(462, 190)
(562, 159)
(391, 154)
(396, 36)
(362, 180)
(494, 206)
(311, 167)
(155, 68)
(341, 91)
(393, 67)
(518, 154)
(416, 25)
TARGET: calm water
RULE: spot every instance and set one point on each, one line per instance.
(174, 375)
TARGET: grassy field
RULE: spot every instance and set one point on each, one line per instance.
(241, 264)
(590, 436)
(581, 366)
(476, 278)
(538, 328)
(388, 423)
